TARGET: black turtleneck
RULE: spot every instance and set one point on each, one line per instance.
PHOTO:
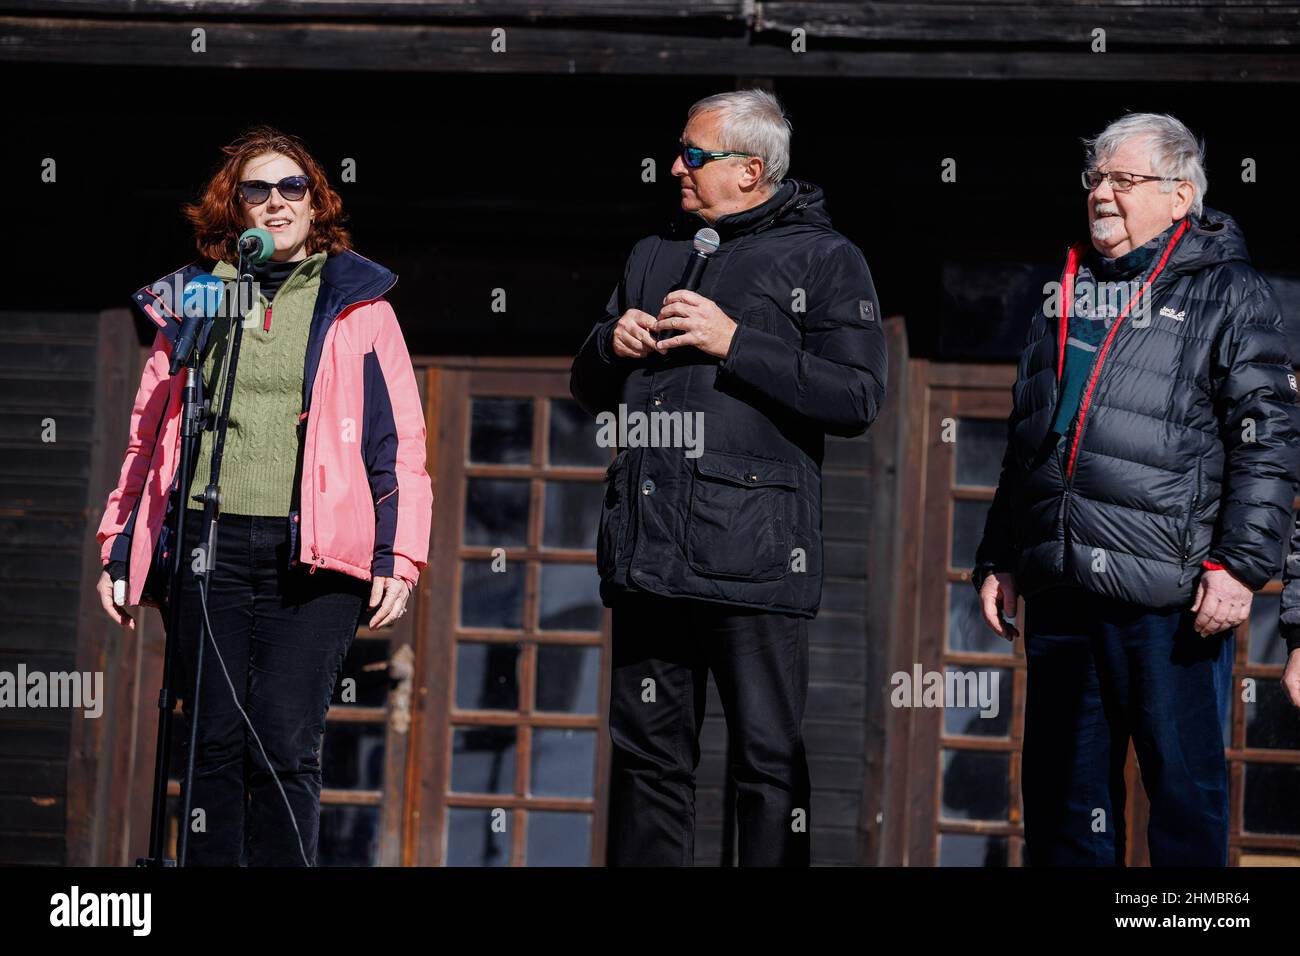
(270, 275)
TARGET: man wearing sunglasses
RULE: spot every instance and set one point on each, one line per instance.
(712, 560)
(1145, 495)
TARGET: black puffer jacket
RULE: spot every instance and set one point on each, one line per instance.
(1289, 624)
(740, 523)
(1188, 447)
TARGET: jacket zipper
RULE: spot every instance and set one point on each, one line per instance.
(1191, 515)
(317, 560)
(1067, 294)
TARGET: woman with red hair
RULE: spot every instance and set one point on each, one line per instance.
(325, 502)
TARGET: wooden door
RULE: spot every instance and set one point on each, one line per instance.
(512, 744)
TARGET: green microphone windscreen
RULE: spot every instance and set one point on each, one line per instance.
(258, 255)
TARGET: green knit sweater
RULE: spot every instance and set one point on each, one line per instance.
(260, 459)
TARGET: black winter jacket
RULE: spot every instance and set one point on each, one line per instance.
(741, 523)
(1289, 623)
(1185, 446)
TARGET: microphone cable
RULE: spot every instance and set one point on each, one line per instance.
(203, 599)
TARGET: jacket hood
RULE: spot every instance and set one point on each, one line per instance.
(1211, 239)
(794, 202)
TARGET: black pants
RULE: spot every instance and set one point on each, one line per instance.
(283, 634)
(663, 650)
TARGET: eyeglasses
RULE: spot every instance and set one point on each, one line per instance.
(255, 191)
(694, 157)
(1121, 182)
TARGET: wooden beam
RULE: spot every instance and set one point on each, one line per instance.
(495, 11)
(534, 49)
(1063, 25)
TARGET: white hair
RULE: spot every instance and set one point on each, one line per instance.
(1174, 150)
(753, 122)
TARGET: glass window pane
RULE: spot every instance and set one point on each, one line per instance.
(487, 676)
(559, 839)
(967, 530)
(976, 785)
(572, 514)
(563, 762)
(572, 442)
(1272, 794)
(352, 756)
(369, 688)
(483, 759)
(496, 512)
(568, 678)
(349, 836)
(972, 849)
(980, 444)
(980, 702)
(570, 598)
(472, 839)
(1266, 644)
(966, 628)
(501, 431)
(492, 598)
(1271, 721)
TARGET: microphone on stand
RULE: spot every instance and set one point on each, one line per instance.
(201, 301)
(706, 244)
(256, 246)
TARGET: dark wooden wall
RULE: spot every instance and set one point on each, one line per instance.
(48, 369)
(996, 39)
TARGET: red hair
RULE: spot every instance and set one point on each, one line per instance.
(218, 217)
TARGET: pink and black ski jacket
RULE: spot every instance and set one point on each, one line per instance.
(366, 499)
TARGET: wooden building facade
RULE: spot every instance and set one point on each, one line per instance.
(523, 170)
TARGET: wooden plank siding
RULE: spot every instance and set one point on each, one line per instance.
(1192, 41)
(48, 370)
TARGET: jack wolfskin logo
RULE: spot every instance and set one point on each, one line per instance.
(1291, 379)
(1170, 313)
(866, 310)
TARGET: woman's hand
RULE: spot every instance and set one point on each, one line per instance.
(115, 614)
(391, 595)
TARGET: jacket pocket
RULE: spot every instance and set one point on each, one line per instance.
(740, 517)
(613, 510)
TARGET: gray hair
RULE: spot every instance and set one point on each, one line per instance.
(1174, 150)
(752, 121)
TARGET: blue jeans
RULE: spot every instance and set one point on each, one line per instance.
(283, 634)
(1100, 672)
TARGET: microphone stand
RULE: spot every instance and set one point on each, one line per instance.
(194, 419)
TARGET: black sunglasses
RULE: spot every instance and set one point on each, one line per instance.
(255, 191)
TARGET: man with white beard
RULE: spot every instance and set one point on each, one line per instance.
(1145, 495)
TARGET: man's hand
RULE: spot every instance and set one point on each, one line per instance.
(998, 597)
(1221, 602)
(632, 338)
(1291, 678)
(115, 613)
(390, 594)
(701, 322)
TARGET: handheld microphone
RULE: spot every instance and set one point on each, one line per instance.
(706, 244)
(202, 302)
(256, 245)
